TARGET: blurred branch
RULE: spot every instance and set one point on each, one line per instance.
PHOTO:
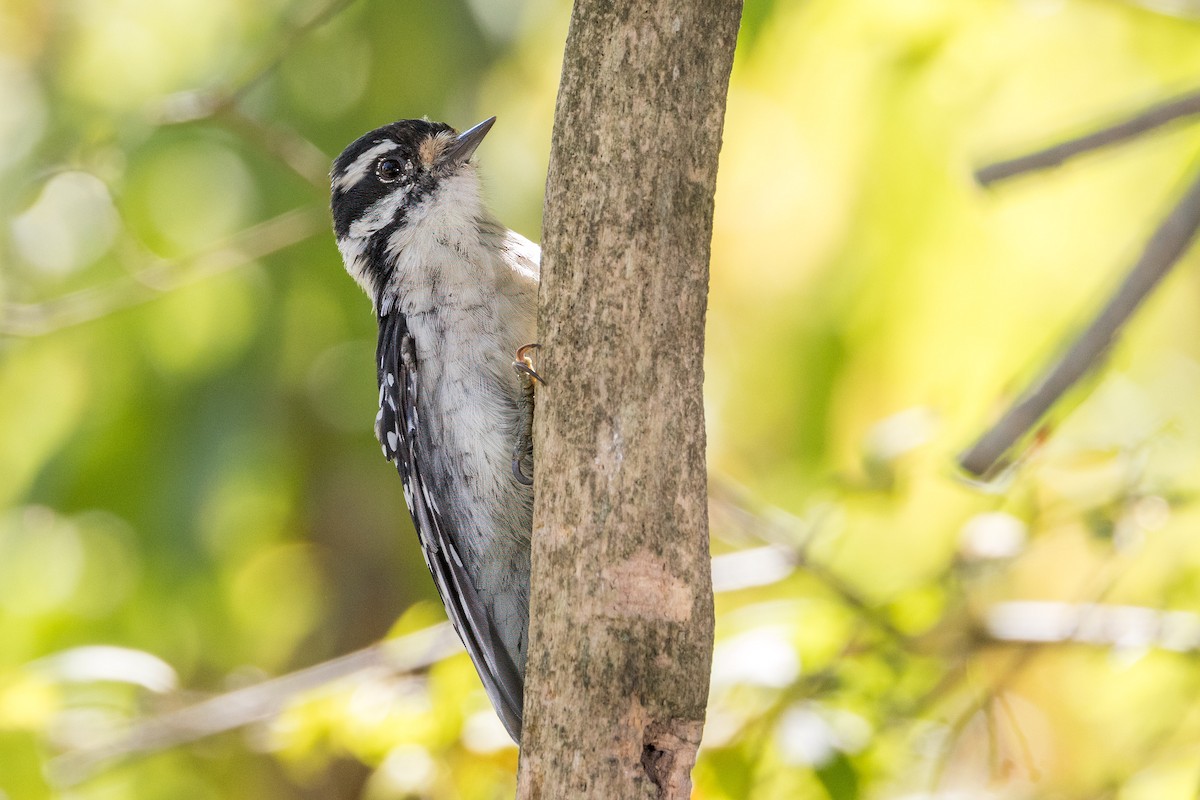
(1099, 587)
(726, 499)
(978, 704)
(1162, 252)
(1182, 9)
(296, 152)
(284, 45)
(1154, 117)
(242, 707)
(747, 569)
(1032, 623)
(222, 104)
(255, 242)
(1136, 627)
(293, 150)
(190, 106)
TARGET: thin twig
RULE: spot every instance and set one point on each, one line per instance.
(281, 141)
(1153, 117)
(85, 305)
(1162, 252)
(727, 498)
(197, 104)
(252, 704)
(222, 105)
(1020, 660)
(286, 44)
(1104, 580)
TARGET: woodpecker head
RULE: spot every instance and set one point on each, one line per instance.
(386, 179)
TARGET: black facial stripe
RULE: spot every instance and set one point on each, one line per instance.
(356, 188)
(381, 266)
(379, 263)
(352, 201)
(353, 204)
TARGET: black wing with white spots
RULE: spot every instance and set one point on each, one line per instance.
(406, 443)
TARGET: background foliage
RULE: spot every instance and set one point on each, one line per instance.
(191, 499)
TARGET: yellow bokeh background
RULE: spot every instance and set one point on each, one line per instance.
(191, 501)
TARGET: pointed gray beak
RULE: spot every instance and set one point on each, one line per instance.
(464, 146)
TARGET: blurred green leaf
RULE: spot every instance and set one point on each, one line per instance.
(839, 778)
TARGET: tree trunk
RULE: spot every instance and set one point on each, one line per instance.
(622, 620)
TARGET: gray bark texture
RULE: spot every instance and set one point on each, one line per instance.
(621, 627)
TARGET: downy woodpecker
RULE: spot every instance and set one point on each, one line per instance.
(455, 295)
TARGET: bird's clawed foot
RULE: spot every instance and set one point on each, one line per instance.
(523, 363)
(521, 477)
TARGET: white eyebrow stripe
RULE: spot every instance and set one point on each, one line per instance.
(355, 172)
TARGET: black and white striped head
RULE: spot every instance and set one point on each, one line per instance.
(379, 180)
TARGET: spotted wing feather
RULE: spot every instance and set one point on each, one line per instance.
(405, 440)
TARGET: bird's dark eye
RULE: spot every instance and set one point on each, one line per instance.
(388, 170)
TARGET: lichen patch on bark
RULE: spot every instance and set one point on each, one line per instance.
(643, 586)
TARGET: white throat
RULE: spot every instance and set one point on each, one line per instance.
(438, 250)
